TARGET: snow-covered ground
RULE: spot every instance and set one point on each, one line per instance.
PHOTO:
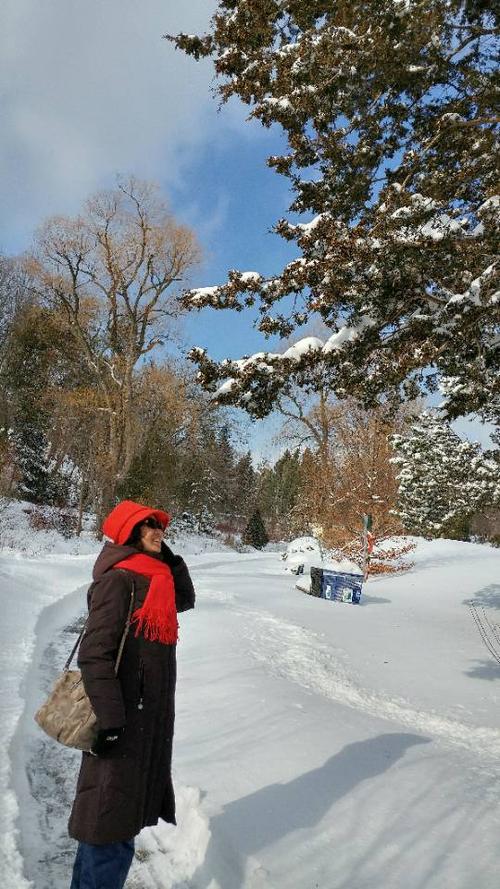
(318, 745)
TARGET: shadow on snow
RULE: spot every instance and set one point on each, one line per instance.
(262, 818)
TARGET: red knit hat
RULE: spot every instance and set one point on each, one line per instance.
(119, 523)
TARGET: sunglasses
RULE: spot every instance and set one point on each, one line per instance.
(151, 522)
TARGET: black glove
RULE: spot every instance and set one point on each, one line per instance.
(106, 740)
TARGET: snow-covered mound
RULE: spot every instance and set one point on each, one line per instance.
(302, 545)
(304, 551)
(308, 552)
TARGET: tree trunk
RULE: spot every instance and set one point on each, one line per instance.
(81, 503)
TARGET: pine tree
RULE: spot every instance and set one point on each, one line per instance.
(277, 491)
(223, 460)
(443, 480)
(35, 366)
(205, 497)
(390, 109)
(255, 533)
(244, 484)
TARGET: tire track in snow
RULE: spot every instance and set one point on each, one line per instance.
(294, 652)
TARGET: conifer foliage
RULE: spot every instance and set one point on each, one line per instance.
(391, 115)
(443, 480)
(255, 533)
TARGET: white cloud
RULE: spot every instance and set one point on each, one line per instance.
(89, 88)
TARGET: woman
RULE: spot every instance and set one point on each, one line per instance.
(125, 781)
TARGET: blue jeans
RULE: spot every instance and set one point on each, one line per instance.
(102, 867)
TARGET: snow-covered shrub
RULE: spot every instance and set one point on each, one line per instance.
(388, 555)
(201, 523)
(46, 518)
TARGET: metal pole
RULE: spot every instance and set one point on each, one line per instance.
(367, 527)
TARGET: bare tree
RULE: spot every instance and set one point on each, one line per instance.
(309, 422)
(346, 469)
(112, 273)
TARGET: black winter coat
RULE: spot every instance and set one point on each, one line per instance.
(130, 787)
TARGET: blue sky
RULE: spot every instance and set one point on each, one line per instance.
(232, 199)
(90, 90)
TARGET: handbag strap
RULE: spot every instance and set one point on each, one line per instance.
(124, 634)
(127, 625)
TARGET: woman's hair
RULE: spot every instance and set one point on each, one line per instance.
(134, 538)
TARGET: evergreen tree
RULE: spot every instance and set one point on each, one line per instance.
(443, 480)
(36, 365)
(278, 490)
(390, 109)
(245, 479)
(205, 498)
(255, 533)
(223, 459)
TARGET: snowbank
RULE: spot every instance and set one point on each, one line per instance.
(20, 531)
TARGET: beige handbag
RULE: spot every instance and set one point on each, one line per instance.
(67, 715)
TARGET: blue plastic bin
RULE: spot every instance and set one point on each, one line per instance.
(340, 587)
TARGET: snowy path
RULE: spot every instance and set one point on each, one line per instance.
(31, 586)
(318, 745)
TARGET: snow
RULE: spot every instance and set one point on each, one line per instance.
(402, 7)
(33, 585)
(302, 347)
(344, 565)
(307, 551)
(440, 226)
(317, 744)
(418, 201)
(402, 212)
(302, 551)
(492, 203)
(278, 102)
(452, 117)
(17, 533)
(225, 388)
(198, 295)
(473, 293)
(258, 359)
(347, 334)
(341, 31)
(250, 276)
(307, 227)
(287, 48)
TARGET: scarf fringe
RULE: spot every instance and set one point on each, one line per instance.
(153, 627)
(156, 619)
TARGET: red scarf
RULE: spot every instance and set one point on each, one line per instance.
(157, 618)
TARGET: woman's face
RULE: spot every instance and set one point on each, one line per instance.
(151, 536)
